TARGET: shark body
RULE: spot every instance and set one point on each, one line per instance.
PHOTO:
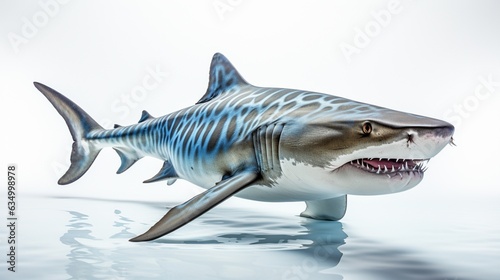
(266, 144)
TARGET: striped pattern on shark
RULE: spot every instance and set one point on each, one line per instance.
(267, 144)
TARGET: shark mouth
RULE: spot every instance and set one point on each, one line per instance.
(391, 167)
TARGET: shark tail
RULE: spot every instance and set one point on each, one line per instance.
(79, 124)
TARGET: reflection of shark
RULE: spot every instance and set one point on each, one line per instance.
(282, 248)
(267, 144)
(300, 251)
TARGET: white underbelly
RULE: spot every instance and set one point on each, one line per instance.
(283, 189)
(285, 192)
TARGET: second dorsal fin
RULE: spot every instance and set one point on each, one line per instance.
(145, 116)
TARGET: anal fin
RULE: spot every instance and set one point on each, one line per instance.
(167, 172)
(128, 158)
(196, 206)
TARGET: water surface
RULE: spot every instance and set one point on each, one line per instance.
(87, 238)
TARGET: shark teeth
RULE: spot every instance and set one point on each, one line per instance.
(391, 167)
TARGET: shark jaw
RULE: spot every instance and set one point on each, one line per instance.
(376, 176)
(390, 167)
(366, 182)
(384, 169)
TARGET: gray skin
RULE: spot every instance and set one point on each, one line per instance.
(267, 144)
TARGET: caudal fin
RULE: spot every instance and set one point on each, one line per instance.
(79, 124)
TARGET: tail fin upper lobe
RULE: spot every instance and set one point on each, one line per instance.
(79, 124)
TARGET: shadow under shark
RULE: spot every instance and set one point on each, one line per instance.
(267, 144)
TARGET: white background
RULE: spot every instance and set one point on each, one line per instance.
(427, 58)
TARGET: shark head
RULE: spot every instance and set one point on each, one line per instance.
(364, 152)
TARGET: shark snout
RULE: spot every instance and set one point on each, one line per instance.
(444, 131)
(429, 141)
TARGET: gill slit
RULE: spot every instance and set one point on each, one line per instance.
(266, 146)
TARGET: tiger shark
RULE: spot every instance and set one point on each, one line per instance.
(265, 144)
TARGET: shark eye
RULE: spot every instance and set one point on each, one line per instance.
(367, 128)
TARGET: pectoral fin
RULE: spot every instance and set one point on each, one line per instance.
(193, 208)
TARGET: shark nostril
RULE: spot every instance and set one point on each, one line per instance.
(410, 139)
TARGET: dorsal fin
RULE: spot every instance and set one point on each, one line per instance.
(145, 116)
(167, 172)
(223, 76)
(116, 125)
